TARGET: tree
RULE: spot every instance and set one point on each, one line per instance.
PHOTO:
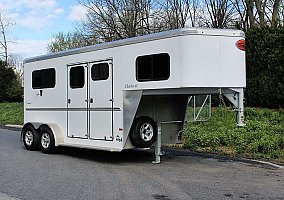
(221, 14)
(259, 13)
(62, 42)
(5, 23)
(110, 20)
(265, 67)
(10, 88)
(15, 61)
(180, 12)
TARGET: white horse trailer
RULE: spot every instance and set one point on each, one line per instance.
(115, 96)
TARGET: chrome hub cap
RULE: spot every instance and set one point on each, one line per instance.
(45, 140)
(29, 138)
(146, 132)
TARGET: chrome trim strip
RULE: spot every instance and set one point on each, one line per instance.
(73, 109)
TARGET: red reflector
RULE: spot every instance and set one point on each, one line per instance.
(241, 44)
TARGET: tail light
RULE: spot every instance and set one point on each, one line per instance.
(241, 44)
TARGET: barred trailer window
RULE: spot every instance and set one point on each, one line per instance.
(155, 67)
(44, 78)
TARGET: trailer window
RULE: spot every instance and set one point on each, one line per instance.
(77, 77)
(44, 78)
(154, 67)
(100, 71)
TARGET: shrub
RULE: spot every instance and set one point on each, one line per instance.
(10, 88)
(265, 67)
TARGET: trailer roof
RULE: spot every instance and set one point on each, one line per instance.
(139, 39)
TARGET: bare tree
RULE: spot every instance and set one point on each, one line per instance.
(259, 13)
(194, 12)
(242, 14)
(177, 13)
(264, 12)
(221, 13)
(5, 23)
(62, 42)
(110, 20)
(15, 61)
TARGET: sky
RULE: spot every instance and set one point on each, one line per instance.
(36, 21)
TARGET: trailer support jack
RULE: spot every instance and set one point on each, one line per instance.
(158, 145)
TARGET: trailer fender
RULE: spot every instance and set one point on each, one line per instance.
(57, 132)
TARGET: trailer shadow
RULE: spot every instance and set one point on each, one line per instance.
(108, 157)
(134, 155)
(148, 155)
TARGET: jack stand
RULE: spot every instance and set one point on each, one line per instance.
(240, 114)
(158, 144)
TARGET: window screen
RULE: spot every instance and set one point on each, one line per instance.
(44, 78)
(100, 71)
(77, 77)
(154, 67)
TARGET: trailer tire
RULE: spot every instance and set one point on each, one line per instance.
(30, 138)
(47, 141)
(143, 132)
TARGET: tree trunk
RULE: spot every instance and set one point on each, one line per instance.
(4, 42)
(275, 12)
(249, 5)
(260, 11)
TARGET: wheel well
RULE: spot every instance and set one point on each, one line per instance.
(142, 117)
(45, 126)
(27, 124)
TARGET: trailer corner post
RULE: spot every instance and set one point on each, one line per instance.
(158, 145)
(236, 97)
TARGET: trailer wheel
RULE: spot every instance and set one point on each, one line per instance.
(30, 138)
(143, 132)
(47, 142)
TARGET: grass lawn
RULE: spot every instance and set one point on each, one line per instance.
(262, 137)
(11, 113)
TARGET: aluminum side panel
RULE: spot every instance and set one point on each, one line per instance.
(131, 100)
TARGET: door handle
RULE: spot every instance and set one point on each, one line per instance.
(91, 100)
(69, 101)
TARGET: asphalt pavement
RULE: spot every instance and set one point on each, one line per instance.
(74, 173)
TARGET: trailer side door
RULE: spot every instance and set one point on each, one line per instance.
(101, 100)
(77, 101)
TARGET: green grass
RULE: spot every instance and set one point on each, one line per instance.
(11, 113)
(262, 137)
